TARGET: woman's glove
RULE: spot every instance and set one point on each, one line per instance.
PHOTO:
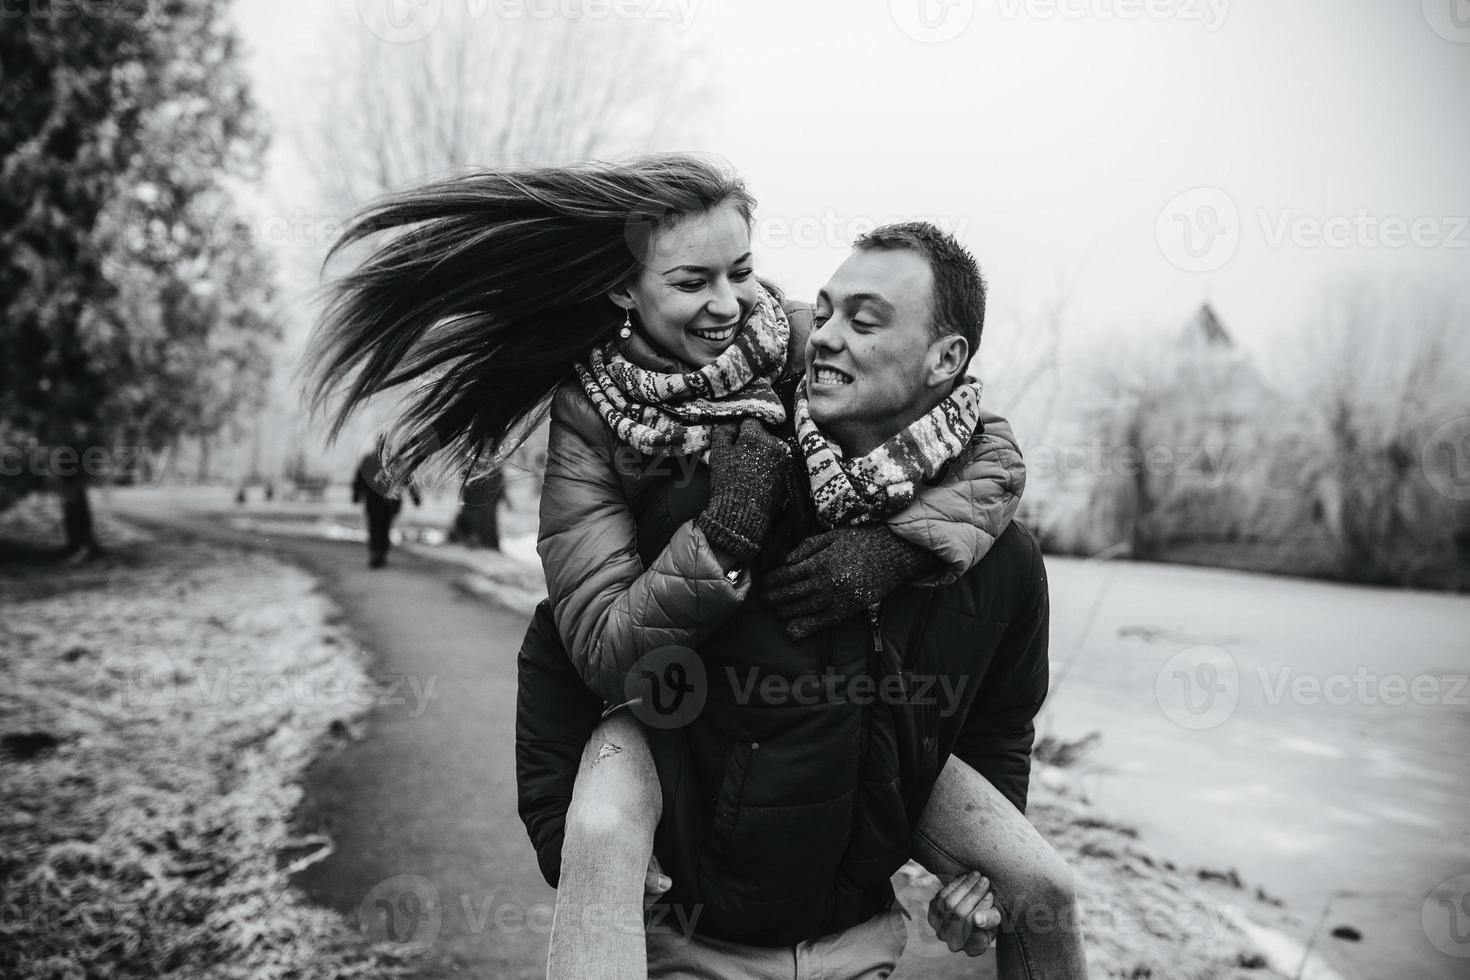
(749, 468)
(832, 575)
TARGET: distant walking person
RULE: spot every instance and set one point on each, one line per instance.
(381, 509)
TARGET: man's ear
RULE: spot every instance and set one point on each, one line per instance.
(948, 357)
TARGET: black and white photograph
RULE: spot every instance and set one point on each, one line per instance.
(775, 489)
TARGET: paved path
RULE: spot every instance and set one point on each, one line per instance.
(423, 805)
(430, 851)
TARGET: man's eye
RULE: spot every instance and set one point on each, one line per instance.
(740, 275)
(820, 318)
(864, 324)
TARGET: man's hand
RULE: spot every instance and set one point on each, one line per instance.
(832, 575)
(963, 914)
(655, 883)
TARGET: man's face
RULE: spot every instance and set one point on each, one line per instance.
(867, 359)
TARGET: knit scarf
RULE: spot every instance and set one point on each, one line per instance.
(867, 489)
(658, 412)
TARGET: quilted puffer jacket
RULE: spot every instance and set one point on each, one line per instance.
(611, 607)
(788, 804)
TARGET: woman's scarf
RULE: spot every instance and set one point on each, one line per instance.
(867, 489)
(674, 414)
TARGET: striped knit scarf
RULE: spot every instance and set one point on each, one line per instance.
(674, 414)
(867, 489)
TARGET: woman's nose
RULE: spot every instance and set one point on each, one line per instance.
(724, 304)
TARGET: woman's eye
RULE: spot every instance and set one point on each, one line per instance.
(690, 286)
(740, 275)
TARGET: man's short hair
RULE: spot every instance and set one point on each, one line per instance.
(959, 286)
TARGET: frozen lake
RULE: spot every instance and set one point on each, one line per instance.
(1316, 737)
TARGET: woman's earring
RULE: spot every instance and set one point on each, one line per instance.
(627, 330)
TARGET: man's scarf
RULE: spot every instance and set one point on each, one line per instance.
(674, 414)
(867, 489)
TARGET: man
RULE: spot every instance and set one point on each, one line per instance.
(368, 485)
(817, 801)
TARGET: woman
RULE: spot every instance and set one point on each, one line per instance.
(628, 294)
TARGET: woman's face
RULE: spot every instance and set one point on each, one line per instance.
(697, 286)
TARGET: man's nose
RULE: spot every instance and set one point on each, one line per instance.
(827, 337)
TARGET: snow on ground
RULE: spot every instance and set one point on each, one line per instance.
(158, 709)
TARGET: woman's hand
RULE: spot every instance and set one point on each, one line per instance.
(964, 915)
(749, 471)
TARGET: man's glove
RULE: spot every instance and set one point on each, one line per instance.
(749, 469)
(832, 575)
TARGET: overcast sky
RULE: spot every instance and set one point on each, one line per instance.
(1158, 152)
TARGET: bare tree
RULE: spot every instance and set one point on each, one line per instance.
(480, 90)
(1375, 373)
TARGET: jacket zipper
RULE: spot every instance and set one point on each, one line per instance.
(875, 622)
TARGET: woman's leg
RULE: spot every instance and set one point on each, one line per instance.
(969, 825)
(616, 802)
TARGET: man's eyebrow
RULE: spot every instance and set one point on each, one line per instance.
(701, 268)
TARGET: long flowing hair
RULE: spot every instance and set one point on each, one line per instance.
(482, 290)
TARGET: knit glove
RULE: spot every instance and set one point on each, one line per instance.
(832, 575)
(749, 469)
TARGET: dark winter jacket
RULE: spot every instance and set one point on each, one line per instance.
(785, 814)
